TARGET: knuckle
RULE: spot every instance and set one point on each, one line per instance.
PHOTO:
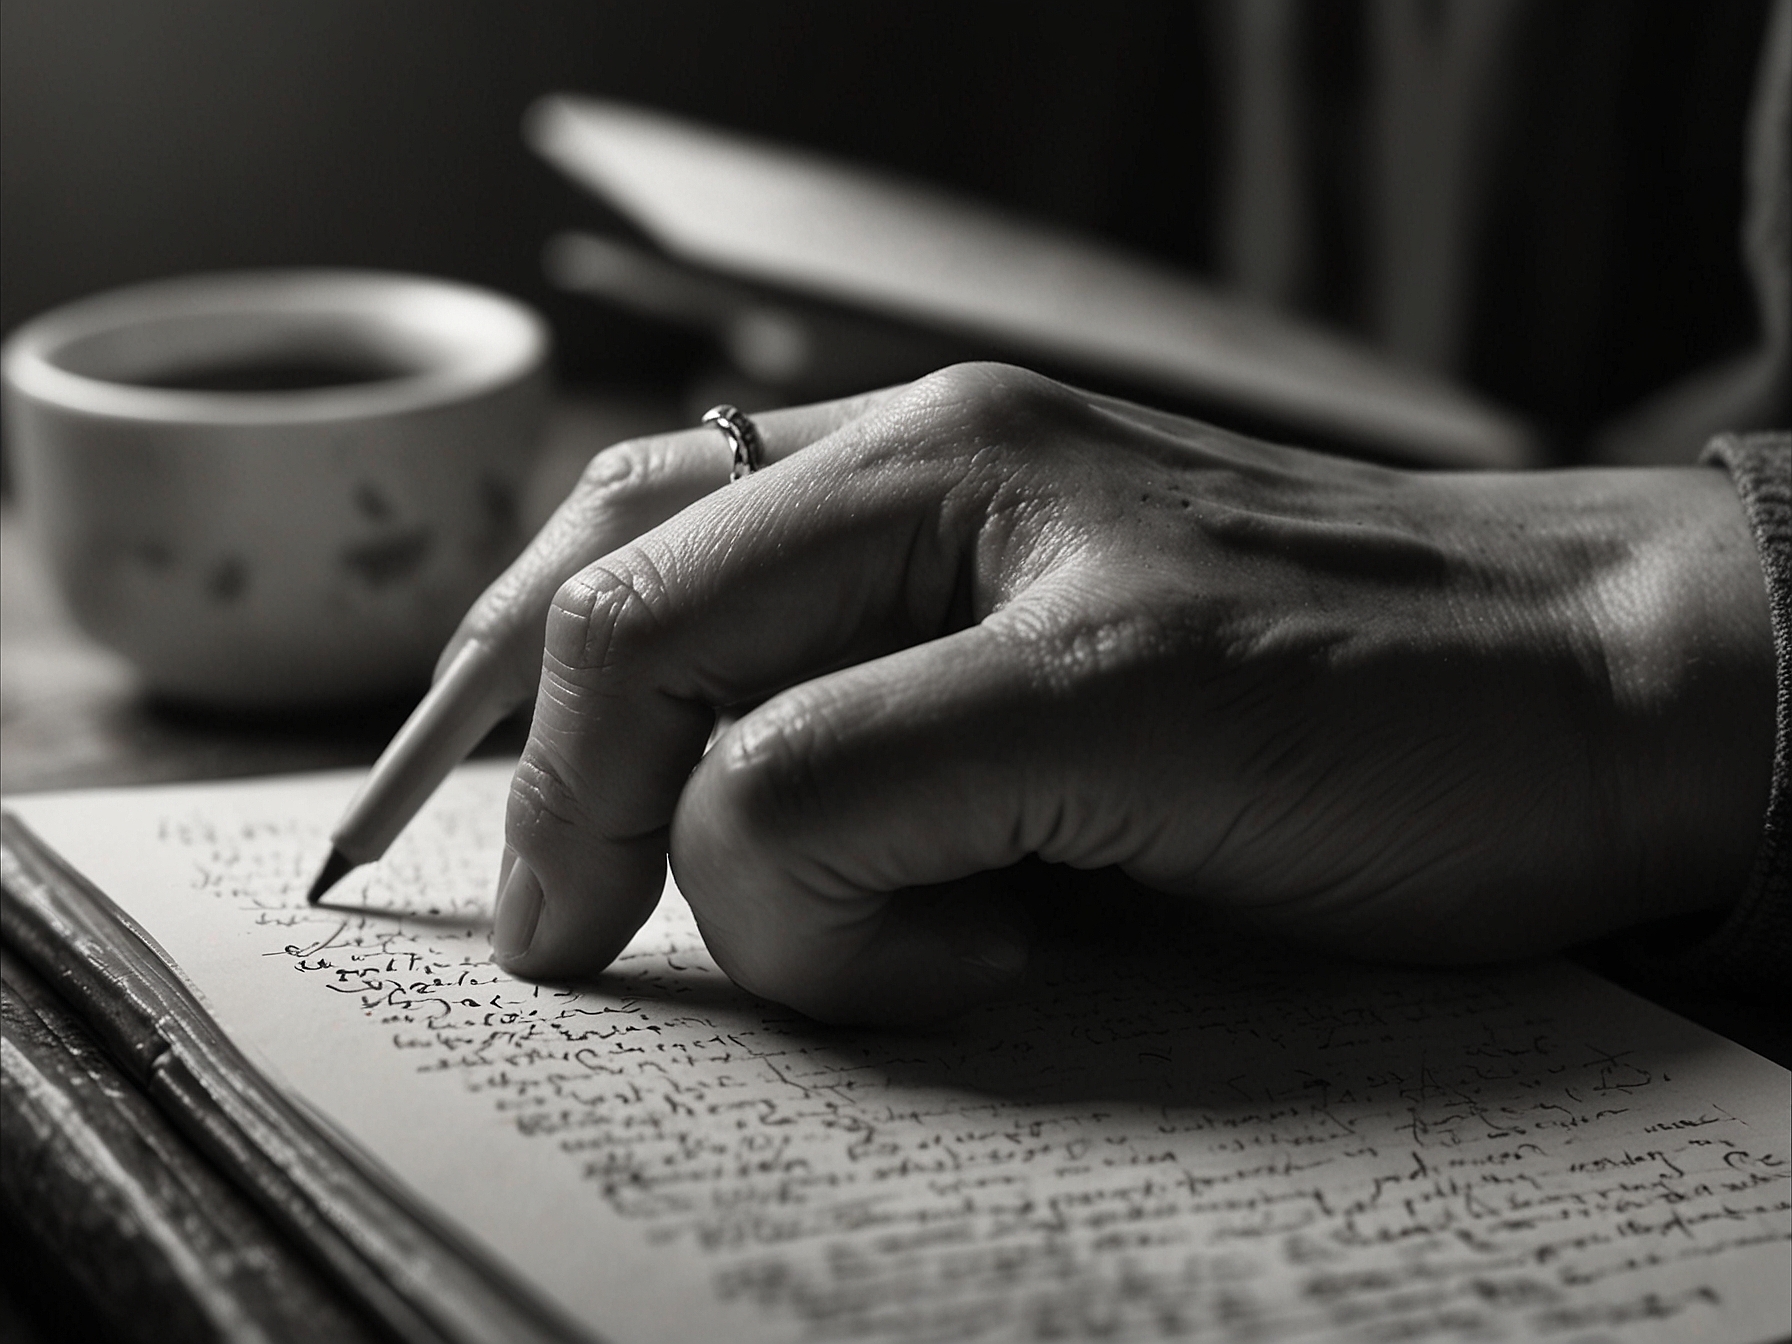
(1072, 644)
(1104, 647)
(604, 612)
(774, 782)
(544, 804)
(765, 773)
(990, 401)
(622, 467)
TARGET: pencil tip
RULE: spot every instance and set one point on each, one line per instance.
(335, 868)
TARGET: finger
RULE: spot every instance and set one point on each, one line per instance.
(627, 490)
(860, 547)
(785, 574)
(825, 842)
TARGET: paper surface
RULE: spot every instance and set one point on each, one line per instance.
(1177, 1140)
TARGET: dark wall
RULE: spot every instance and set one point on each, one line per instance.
(144, 139)
(148, 137)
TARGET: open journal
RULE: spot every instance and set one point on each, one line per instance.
(1165, 1137)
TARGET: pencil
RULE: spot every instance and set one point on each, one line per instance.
(463, 705)
(473, 692)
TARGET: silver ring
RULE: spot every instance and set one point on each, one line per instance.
(743, 439)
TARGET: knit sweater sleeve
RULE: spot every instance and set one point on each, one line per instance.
(1750, 952)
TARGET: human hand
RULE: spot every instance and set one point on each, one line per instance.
(627, 489)
(1444, 717)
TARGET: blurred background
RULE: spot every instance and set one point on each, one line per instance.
(1584, 255)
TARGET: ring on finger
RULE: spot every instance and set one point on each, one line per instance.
(743, 436)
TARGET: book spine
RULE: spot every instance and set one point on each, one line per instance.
(137, 1236)
(409, 1274)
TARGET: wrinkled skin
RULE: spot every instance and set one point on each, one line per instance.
(1442, 717)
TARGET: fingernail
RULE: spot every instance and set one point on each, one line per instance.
(519, 911)
(1002, 956)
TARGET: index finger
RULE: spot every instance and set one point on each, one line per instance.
(628, 489)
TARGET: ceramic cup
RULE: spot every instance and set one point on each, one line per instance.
(276, 489)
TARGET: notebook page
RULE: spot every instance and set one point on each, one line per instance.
(1184, 1139)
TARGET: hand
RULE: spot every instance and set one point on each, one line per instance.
(627, 490)
(1445, 717)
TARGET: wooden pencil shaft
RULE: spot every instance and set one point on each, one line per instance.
(460, 709)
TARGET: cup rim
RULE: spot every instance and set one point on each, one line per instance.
(497, 341)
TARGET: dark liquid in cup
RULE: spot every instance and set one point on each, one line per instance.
(274, 375)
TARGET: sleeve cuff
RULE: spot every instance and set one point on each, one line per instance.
(1749, 954)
